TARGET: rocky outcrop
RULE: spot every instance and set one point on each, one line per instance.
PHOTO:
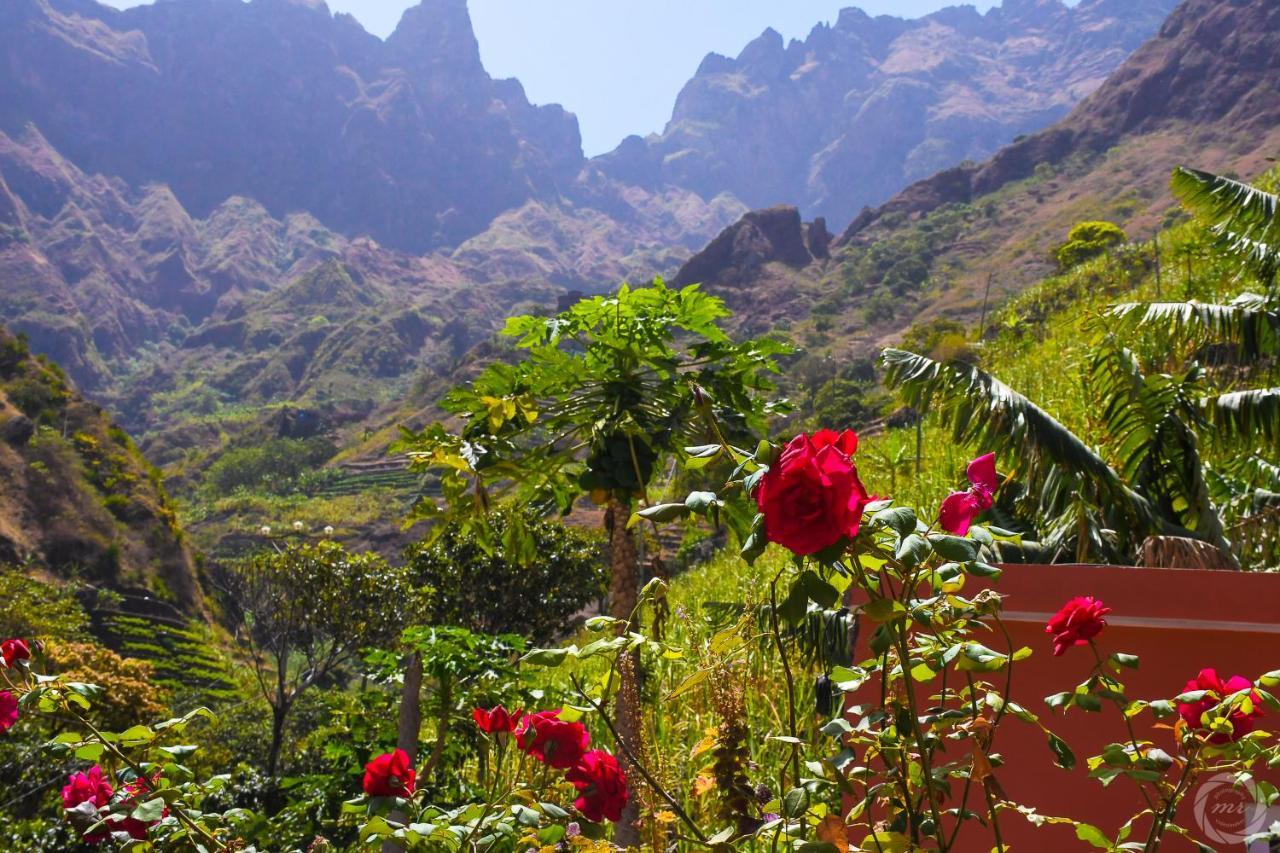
(862, 108)
(760, 237)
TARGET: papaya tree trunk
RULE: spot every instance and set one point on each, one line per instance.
(624, 584)
(408, 726)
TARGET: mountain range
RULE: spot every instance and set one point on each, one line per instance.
(172, 175)
(863, 107)
(1202, 92)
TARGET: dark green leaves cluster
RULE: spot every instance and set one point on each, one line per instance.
(490, 591)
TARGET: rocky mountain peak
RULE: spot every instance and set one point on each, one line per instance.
(438, 33)
(409, 140)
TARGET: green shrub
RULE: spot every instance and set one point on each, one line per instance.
(480, 586)
(1088, 240)
(273, 466)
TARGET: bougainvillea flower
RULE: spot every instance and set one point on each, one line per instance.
(961, 508)
(551, 740)
(496, 720)
(602, 786)
(12, 651)
(390, 775)
(811, 497)
(1079, 621)
(1217, 689)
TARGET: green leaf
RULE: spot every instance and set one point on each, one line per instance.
(526, 816)
(885, 842)
(900, 519)
(846, 679)
(954, 548)
(881, 639)
(975, 657)
(1058, 700)
(691, 681)
(91, 751)
(819, 591)
(137, 735)
(1062, 753)
(885, 610)
(701, 456)
(913, 551)
(151, 810)
(1122, 659)
(1087, 702)
(660, 513)
(702, 502)
(545, 657)
(1093, 835)
(983, 570)
(795, 803)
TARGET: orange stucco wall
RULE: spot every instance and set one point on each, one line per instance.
(1178, 621)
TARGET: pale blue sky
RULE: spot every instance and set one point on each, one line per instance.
(619, 64)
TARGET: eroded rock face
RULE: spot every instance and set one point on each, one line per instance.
(862, 108)
(407, 140)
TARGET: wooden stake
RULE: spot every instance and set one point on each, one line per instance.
(986, 294)
(1155, 242)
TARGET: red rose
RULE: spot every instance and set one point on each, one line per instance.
(846, 442)
(1209, 680)
(12, 651)
(8, 710)
(811, 496)
(90, 787)
(1079, 621)
(551, 740)
(961, 508)
(601, 785)
(390, 775)
(496, 720)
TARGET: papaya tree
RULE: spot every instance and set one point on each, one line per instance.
(600, 395)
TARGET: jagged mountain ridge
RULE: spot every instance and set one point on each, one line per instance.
(407, 140)
(1204, 91)
(859, 109)
(138, 299)
(1211, 64)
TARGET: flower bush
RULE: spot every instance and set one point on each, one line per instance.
(897, 666)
